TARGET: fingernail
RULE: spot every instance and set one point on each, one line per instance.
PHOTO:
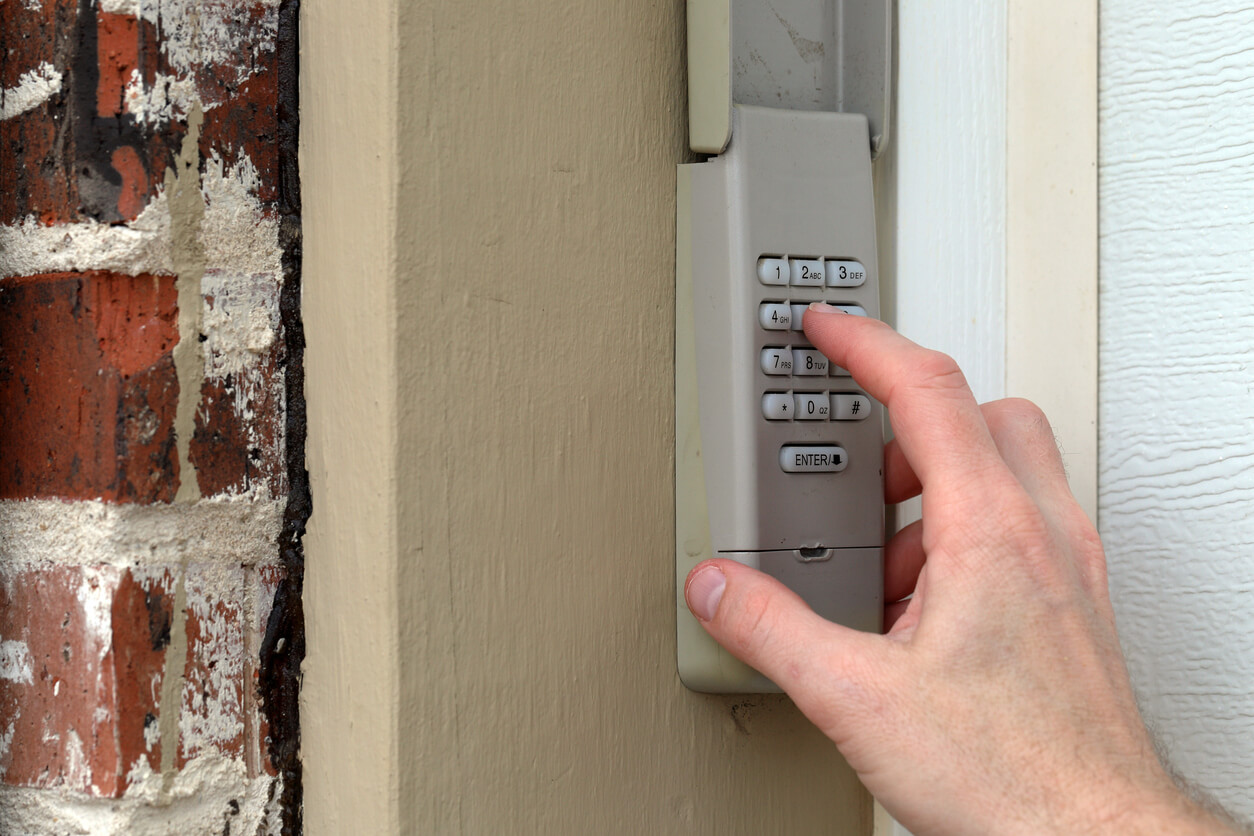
(823, 307)
(705, 590)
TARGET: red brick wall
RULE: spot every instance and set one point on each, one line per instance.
(152, 488)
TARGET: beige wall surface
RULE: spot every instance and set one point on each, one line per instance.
(490, 582)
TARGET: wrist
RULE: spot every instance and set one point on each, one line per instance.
(1163, 809)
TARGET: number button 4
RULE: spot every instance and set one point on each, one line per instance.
(775, 316)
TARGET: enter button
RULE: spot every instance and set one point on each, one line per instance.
(812, 458)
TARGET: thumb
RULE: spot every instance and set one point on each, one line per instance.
(767, 626)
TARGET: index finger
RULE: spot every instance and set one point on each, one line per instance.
(935, 417)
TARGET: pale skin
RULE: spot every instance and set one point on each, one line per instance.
(998, 700)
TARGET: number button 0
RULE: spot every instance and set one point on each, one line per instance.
(811, 407)
(773, 271)
(776, 361)
(775, 316)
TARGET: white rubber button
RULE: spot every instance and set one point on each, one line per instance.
(856, 310)
(808, 361)
(798, 311)
(812, 407)
(807, 272)
(843, 273)
(773, 271)
(837, 371)
(850, 407)
(776, 361)
(777, 406)
(775, 316)
(812, 458)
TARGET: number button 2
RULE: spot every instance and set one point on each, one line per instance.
(807, 272)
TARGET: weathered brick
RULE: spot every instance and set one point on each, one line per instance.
(57, 708)
(117, 47)
(238, 445)
(100, 146)
(215, 677)
(266, 582)
(245, 122)
(140, 628)
(83, 666)
(34, 166)
(88, 390)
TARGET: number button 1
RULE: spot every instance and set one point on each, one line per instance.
(773, 271)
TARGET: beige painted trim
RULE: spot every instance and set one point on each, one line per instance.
(349, 696)
(489, 276)
(1051, 224)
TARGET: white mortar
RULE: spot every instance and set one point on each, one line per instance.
(39, 533)
(199, 805)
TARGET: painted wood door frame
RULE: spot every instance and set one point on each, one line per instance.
(987, 204)
(988, 210)
(1051, 224)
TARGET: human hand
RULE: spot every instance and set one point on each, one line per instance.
(998, 701)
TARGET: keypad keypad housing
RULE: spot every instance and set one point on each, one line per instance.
(775, 466)
(814, 229)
